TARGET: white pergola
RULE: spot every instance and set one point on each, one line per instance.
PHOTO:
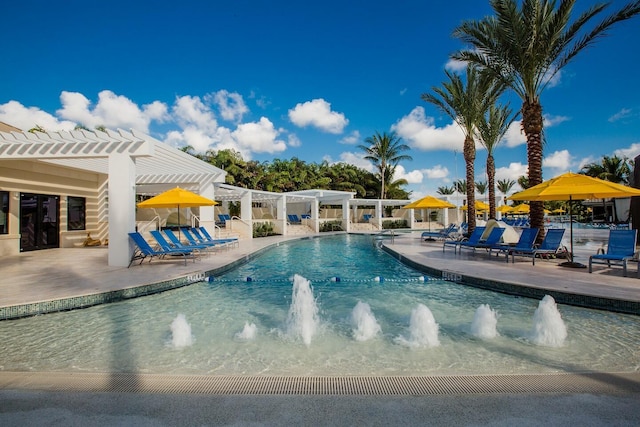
(132, 161)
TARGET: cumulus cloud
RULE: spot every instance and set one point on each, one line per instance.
(631, 152)
(259, 137)
(515, 135)
(512, 172)
(231, 106)
(625, 113)
(25, 118)
(293, 140)
(413, 177)
(421, 132)
(317, 113)
(436, 172)
(356, 159)
(455, 65)
(111, 111)
(549, 120)
(560, 161)
(351, 139)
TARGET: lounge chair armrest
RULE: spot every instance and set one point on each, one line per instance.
(600, 251)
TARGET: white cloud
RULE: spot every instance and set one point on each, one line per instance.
(356, 159)
(25, 118)
(293, 140)
(111, 111)
(231, 106)
(436, 172)
(631, 153)
(553, 80)
(560, 161)
(190, 111)
(622, 114)
(259, 137)
(514, 135)
(351, 139)
(549, 120)
(514, 171)
(317, 113)
(455, 65)
(421, 133)
(412, 177)
(586, 160)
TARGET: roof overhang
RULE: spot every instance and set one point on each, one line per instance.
(226, 192)
(156, 162)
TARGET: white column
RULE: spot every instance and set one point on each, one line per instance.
(122, 209)
(281, 213)
(245, 211)
(379, 213)
(346, 224)
(207, 213)
(315, 215)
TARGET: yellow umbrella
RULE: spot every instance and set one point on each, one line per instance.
(573, 186)
(559, 210)
(521, 209)
(480, 206)
(504, 209)
(429, 202)
(176, 198)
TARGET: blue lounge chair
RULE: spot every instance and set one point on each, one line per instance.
(223, 219)
(492, 239)
(473, 238)
(194, 241)
(175, 241)
(167, 246)
(294, 219)
(200, 236)
(144, 250)
(206, 237)
(526, 242)
(620, 249)
(445, 233)
(551, 245)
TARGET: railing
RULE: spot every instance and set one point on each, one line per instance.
(149, 225)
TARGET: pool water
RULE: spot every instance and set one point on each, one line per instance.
(241, 327)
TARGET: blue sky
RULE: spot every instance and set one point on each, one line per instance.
(282, 79)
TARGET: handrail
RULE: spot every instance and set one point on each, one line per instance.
(153, 220)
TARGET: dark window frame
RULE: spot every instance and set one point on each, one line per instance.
(4, 212)
(76, 220)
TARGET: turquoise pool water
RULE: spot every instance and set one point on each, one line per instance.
(234, 326)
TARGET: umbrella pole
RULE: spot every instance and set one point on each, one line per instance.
(571, 263)
(429, 239)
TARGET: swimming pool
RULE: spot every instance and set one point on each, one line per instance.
(234, 326)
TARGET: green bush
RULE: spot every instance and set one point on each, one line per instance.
(391, 225)
(263, 229)
(331, 226)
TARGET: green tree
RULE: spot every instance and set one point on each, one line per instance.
(525, 48)
(613, 169)
(491, 130)
(460, 186)
(446, 191)
(481, 187)
(505, 185)
(385, 152)
(465, 104)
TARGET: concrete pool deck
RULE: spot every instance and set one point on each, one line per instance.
(43, 276)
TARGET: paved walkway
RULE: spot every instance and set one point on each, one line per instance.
(64, 273)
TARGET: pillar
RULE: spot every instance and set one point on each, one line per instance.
(122, 209)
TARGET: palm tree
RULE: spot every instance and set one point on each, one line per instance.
(384, 151)
(491, 129)
(465, 105)
(481, 187)
(505, 185)
(446, 191)
(525, 48)
(523, 182)
(613, 169)
(460, 186)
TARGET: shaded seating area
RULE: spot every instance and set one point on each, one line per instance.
(222, 220)
(175, 242)
(551, 245)
(202, 235)
(474, 238)
(525, 243)
(144, 250)
(294, 219)
(621, 249)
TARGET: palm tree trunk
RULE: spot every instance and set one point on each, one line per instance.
(491, 178)
(469, 158)
(532, 125)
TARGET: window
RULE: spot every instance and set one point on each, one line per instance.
(76, 212)
(4, 212)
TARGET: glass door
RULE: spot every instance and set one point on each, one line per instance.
(39, 226)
